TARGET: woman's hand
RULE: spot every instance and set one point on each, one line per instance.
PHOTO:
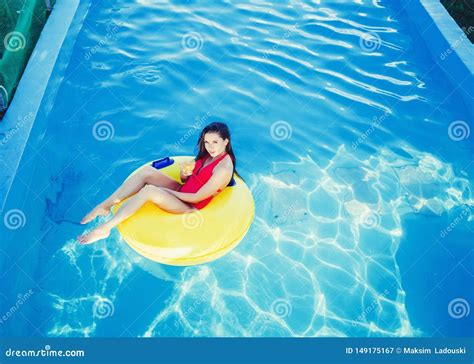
(187, 167)
(221, 176)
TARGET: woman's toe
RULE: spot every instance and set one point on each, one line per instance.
(87, 219)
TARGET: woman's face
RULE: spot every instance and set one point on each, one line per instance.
(214, 144)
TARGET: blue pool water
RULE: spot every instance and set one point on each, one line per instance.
(352, 140)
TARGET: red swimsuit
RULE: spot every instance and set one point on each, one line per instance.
(199, 178)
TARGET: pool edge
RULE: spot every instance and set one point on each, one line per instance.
(447, 43)
(25, 106)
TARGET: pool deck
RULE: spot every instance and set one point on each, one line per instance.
(35, 86)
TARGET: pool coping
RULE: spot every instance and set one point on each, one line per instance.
(449, 46)
(25, 107)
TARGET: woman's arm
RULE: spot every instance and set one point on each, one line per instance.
(220, 176)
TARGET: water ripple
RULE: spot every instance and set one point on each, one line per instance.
(344, 247)
(349, 84)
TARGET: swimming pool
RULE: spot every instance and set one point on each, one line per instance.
(353, 141)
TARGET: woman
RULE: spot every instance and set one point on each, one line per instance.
(213, 169)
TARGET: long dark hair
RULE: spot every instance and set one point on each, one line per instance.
(223, 131)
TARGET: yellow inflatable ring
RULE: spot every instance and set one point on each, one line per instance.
(193, 238)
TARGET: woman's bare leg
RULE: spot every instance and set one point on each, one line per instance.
(147, 175)
(160, 197)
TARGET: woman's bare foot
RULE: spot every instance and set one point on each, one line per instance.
(98, 233)
(100, 210)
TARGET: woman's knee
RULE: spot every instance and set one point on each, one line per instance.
(146, 174)
(149, 189)
(151, 193)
